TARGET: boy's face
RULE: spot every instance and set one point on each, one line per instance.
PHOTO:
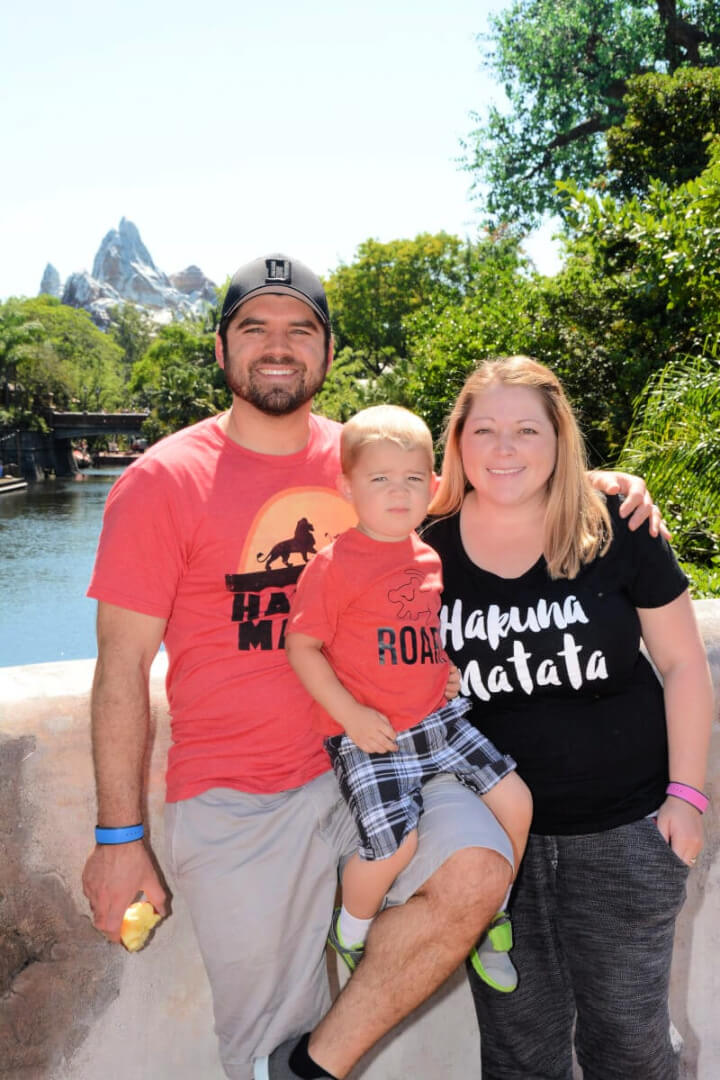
(390, 489)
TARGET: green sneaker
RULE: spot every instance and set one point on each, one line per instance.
(351, 955)
(490, 959)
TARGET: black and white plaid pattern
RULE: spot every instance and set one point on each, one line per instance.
(384, 791)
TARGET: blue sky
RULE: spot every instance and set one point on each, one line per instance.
(231, 129)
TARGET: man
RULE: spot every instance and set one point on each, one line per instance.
(203, 541)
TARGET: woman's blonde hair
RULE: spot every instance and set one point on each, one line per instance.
(577, 523)
(384, 423)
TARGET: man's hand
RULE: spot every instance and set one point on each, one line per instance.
(369, 729)
(113, 877)
(637, 504)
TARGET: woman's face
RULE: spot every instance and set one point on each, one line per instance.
(508, 445)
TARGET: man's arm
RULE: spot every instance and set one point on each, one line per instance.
(114, 874)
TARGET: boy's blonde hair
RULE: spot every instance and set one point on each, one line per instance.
(577, 523)
(384, 423)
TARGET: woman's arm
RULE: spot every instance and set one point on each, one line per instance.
(673, 641)
(367, 727)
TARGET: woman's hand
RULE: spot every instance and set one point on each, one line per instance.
(637, 504)
(682, 827)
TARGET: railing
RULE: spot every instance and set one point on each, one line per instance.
(77, 425)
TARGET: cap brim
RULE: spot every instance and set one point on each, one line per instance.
(282, 290)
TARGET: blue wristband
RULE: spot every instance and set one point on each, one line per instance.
(119, 836)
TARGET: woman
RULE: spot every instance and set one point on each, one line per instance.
(546, 596)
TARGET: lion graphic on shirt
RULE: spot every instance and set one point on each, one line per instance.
(410, 601)
(301, 543)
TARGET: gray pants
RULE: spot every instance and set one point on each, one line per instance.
(593, 922)
(259, 875)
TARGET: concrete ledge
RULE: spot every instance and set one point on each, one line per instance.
(73, 1007)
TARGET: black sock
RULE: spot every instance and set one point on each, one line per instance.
(302, 1064)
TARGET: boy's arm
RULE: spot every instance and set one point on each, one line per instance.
(368, 729)
(452, 686)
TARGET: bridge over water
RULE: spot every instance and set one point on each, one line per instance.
(37, 454)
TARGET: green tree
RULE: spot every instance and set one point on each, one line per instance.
(132, 329)
(373, 299)
(17, 332)
(667, 130)
(640, 287)
(54, 356)
(346, 389)
(674, 443)
(494, 316)
(178, 378)
(565, 66)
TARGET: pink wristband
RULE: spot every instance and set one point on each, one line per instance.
(689, 795)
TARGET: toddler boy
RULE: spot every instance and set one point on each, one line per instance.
(363, 637)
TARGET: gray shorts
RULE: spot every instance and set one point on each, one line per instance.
(259, 875)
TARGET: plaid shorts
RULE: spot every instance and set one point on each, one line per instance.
(384, 791)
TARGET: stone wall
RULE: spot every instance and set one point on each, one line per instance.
(73, 1007)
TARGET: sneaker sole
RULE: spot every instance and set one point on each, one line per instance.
(482, 974)
(261, 1069)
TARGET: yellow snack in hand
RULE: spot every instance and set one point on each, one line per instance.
(138, 921)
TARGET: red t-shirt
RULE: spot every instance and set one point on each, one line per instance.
(375, 606)
(212, 538)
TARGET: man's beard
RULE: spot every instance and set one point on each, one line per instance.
(277, 400)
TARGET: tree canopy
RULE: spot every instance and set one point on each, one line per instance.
(674, 443)
(373, 298)
(53, 356)
(667, 130)
(565, 67)
(178, 378)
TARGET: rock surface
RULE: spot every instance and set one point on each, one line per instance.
(191, 280)
(73, 1007)
(50, 284)
(124, 272)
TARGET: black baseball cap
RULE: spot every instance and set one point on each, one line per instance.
(276, 274)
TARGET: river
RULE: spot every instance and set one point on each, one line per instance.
(48, 536)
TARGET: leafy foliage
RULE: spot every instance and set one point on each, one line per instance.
(666, 132)
(178, 378)
(53, 356)
(641, 287)
(374, 298)
(431, 295)
(674, 443)
(494, 318)
(565, 68)
(132, 329)
(346, 389)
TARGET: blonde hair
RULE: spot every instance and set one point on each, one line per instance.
(577, 522)
(383, 423)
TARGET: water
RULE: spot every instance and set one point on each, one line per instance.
(48, 536)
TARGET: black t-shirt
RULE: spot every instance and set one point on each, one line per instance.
(556, 676)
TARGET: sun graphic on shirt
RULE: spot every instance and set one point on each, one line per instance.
(293, 526)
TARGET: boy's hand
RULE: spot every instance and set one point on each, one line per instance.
(452, 686)
(369, 730)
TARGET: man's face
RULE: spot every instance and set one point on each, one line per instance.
(275, 357)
